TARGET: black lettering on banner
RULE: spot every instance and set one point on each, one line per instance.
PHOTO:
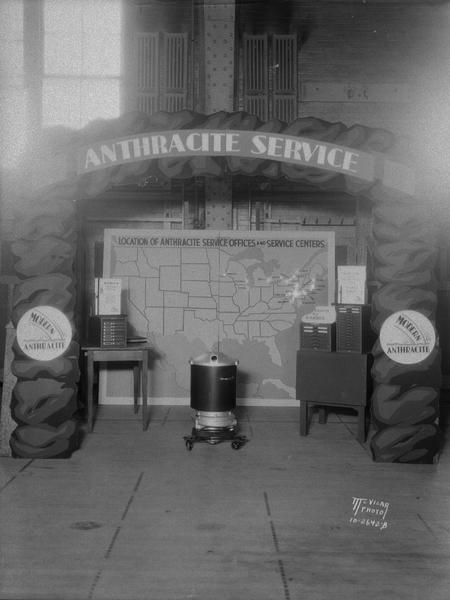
(311, 243)
(124, 240)
(280, 243)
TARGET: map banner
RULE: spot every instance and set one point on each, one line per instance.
(241, 293)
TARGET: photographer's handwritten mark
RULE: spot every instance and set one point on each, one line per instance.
(369, 512)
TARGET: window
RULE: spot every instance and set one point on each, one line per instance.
(60, 64)
(162, 72)
(82, 61)
(269, 76)
(12, 90)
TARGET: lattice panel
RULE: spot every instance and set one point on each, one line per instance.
(162, 72)
(269, 76)
(284, 107)
(147, 103)
(174, 74)
(284, 58)
(148, 62)
(256, 76)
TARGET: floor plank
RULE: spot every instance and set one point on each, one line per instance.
(134, 515)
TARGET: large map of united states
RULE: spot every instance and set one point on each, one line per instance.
(242, 293)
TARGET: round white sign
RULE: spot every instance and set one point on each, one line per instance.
(44, 333)
(407, 337)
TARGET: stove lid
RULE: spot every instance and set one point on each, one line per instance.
(213, 359)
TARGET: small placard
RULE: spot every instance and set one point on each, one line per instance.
(108, 296)
(351, 284)
(321, 314)
(44, 333)
(407, 337)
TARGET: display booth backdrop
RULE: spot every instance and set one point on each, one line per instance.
(44, 400)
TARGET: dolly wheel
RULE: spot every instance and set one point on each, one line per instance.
(189, 445)
(236, 445)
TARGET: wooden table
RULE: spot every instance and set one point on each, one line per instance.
(136, 353)
(333, 379)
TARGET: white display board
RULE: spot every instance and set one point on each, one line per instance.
(243, 293)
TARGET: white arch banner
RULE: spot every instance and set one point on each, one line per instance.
(244, 144)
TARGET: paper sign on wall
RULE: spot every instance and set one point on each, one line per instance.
(351, 284)
(321, 314)
(107, 296)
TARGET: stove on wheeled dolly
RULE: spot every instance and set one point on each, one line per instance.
(213, 396)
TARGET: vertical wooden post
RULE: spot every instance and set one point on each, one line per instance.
(219, 32)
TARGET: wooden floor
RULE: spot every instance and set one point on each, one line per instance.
(134, 515)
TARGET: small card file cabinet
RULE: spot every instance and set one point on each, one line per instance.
(317, 336)
(108, 331)
(353, 332)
